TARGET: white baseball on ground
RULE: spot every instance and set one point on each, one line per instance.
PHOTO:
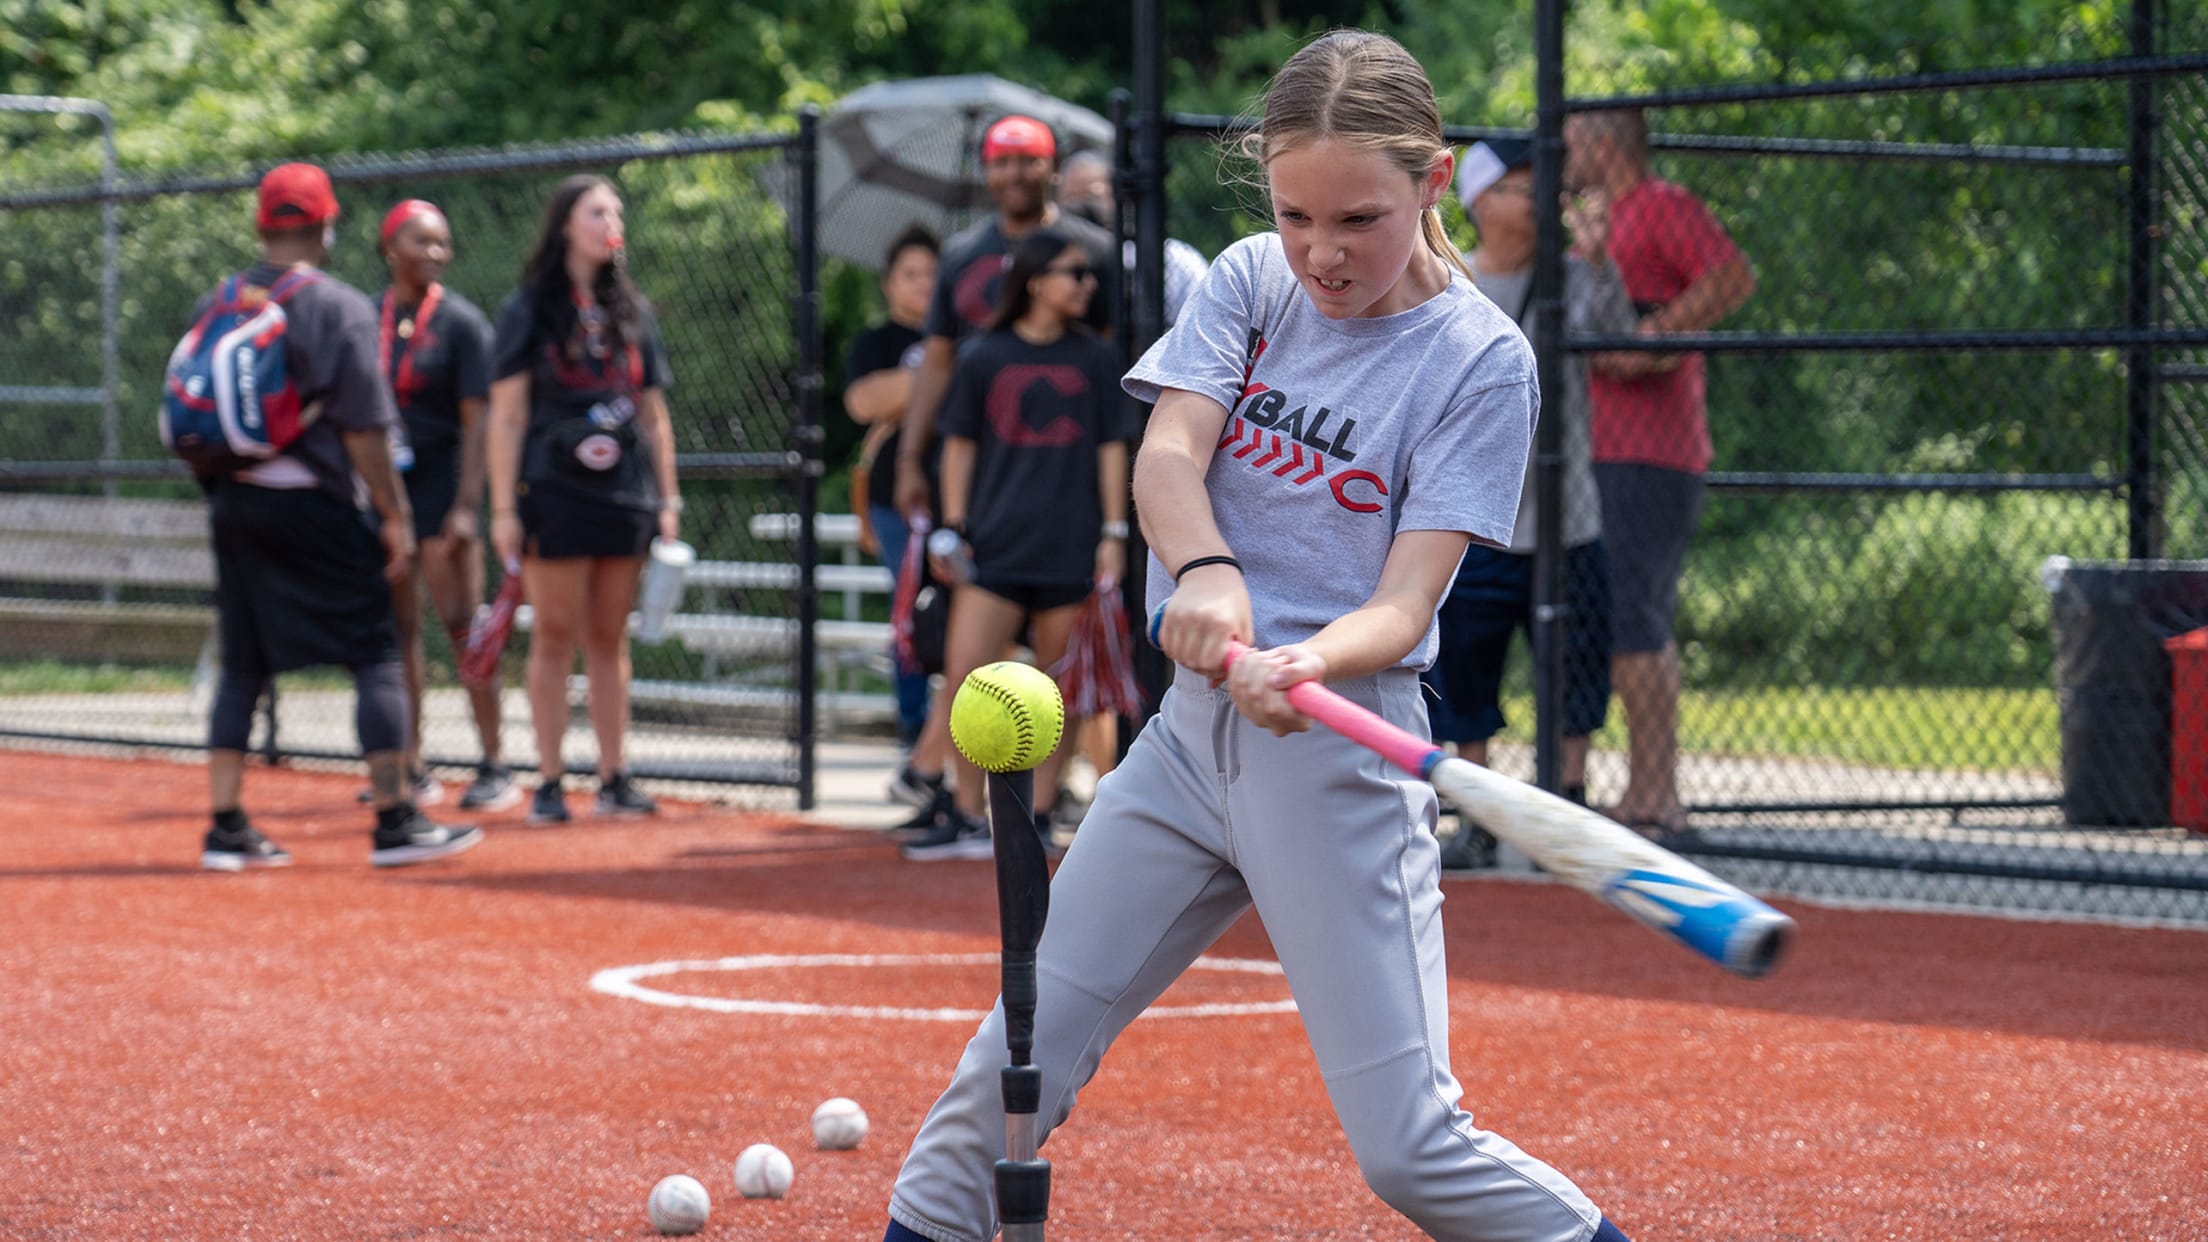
(678, 1204)
(763, 1171)
(839, 1124)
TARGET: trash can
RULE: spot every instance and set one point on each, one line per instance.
(2189, 730)
(2113, 682)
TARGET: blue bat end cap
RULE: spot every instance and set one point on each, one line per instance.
(1744, 935)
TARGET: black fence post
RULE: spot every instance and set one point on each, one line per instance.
(807, 437)
(1120, 110)
(1549, 601)
(1144, 188)
(2142, 381)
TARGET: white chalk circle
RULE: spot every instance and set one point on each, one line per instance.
(624, 981)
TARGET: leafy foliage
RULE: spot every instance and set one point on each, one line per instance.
(1860, 590)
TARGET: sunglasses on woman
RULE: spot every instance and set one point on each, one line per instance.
(1078, 271)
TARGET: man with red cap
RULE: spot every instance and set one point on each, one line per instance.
(302, 566)
(1019, 163)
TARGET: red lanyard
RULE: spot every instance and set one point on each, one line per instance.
(590, 321)
(404, 384)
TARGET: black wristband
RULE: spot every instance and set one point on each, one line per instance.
(1202, 561)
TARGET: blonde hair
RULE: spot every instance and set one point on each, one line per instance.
(1362, 90)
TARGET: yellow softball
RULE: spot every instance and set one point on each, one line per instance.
(1007, 716)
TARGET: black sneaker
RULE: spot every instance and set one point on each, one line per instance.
(915, 790)
(927, 818)
(421, 789)
(1063, 822)
(1469, 848)
(618, 795)
(492, 790)
(242, 850)
(1057, 834)
(955, 837)
(418, 839)
(549, 806)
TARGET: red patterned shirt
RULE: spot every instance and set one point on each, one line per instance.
(1663, 239)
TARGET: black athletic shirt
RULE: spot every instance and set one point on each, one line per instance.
(567, 449)
(448, 364)
(970, 276)
(1037, 415)
(330, 357)
(884, 347)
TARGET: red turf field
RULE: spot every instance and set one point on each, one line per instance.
(333, 1052)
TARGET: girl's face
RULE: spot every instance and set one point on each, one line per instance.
(909, 284)
(1065, 285)
(1349, 221)
(420, 250)
(594, 226)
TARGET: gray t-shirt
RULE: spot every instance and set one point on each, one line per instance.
(1594, 305)
(330, 357)
(1343, 433)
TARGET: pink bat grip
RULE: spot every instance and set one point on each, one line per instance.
(1355, 723)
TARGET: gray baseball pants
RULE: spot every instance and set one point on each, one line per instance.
(1207, 815)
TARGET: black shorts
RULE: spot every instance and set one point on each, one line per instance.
(431, 484)
(1037, 596)
(1491, 600)
(1648, 518)
(557, 525)
(298, 581)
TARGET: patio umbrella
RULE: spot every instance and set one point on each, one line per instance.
(896, 154)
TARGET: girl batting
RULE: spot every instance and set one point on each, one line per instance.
(1352, 345)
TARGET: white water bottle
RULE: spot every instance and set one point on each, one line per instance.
(664, 571)
(945, 544)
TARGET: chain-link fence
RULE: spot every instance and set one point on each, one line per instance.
(106, 580)
(1895, 351)
(1973, 349)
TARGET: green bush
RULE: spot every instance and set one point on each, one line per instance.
(1913, 589)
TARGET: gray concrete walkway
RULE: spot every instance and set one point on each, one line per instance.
(1931, 859)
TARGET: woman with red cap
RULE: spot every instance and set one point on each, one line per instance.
(582, 473)
(434, 347)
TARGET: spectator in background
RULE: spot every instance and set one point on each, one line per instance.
(1035, 436)
(302, 574)
(1019, 160)
(877, 387)
(1493, 594)
(582, 471)
(1651, 434)
(1085, 189)
(434, 347)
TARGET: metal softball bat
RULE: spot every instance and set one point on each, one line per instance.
(1582, 848)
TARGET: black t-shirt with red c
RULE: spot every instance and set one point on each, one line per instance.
(1037, 415)
(584, 439)
(970, 278)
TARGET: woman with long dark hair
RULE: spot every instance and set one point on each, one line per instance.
(1034, 483)
(582, 472)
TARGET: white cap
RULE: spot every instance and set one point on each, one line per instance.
(1485, 162)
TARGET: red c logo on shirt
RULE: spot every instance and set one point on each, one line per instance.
(1008, 391)
(1341, 482)
(973, 296)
